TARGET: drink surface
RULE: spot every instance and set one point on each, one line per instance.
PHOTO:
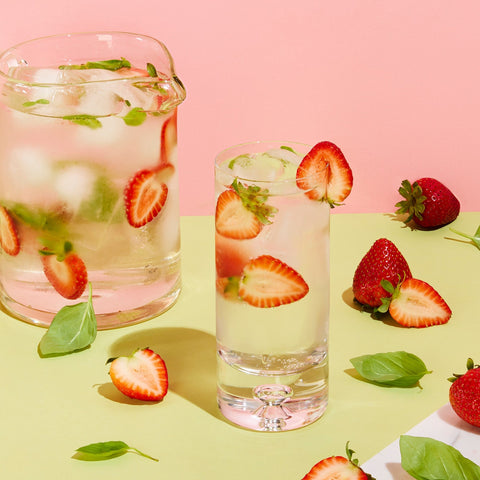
(72, 140)
(283, 344)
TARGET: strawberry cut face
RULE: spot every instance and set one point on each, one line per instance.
(418, 304)
(325, 174)
(268, 282)
(8, 233)
(68, 277)
(144, 196)
(336, 468)
(142, 376)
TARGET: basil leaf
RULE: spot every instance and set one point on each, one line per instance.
(136, 116)
(89, 121)
(106, 450)
(73, 328)
(112, 65)
(101, 203)
(428, 459)
(38, 219)
(396, 369)
(40, 101)
(152, 71)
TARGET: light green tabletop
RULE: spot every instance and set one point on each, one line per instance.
(49, 407)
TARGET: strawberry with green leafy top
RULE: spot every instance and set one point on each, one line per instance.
(241, 211)
(415, 303)
(464, 394)
(383, 261)
(428, 202)
(8, 233)
(325, 174)
(338, 468)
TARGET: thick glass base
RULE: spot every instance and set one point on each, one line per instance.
(272, 403)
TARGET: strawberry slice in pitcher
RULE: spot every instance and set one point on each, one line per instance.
(8, 233)
(144, 197)
(67, 275)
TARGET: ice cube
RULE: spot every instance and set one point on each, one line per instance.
(74, 184)
(30, 165)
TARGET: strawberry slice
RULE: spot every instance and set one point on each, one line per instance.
(168, 139)
(325, 174)
(142, 376)
(144, 196)
(268, 282)
(241, 212)
(415, 303)
(233, 219)
(8, 233)
(338, 468)
(68, 275)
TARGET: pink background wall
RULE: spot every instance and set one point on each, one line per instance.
(395, 84)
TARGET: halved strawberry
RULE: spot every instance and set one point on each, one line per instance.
(67, 275)
(142, 376)
(338, 468)
(241, 212)
(233, 219)
(325, 174)
(415, 303)
(8, 233)
(144, 197)
(168, 138)
(268, 282)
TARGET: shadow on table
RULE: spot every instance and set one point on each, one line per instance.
(189, 355)
(349, 299)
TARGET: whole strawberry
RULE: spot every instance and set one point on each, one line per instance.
(465, 394)
(428, 203)
(382, 262)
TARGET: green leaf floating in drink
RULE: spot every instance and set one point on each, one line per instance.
(395, 369)
(136, 116)
(254, 199)
(112, 65)
(73, 328)
(40, 101)
(428, 459)
(90, 121)
(106, 450)
(152, 71)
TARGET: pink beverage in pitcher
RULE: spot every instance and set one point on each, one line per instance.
(89, 177)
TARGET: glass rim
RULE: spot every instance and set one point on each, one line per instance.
(8, 78)
(284, 181)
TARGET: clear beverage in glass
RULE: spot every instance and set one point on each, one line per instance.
(272, 289)
(88, 171)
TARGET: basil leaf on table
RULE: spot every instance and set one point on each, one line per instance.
(107, 450)
(428, 459)
(396, 369)
(73, 328)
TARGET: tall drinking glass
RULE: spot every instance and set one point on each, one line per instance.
(272, 289)
(89, 177)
